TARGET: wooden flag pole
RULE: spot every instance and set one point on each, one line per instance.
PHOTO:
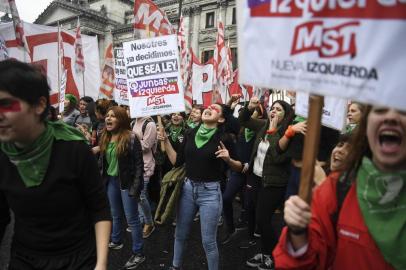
(161, 129)
(311, 146)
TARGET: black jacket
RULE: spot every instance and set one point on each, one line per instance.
(130, 167)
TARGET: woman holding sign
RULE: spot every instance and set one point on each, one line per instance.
(362, 226)
(206, 158)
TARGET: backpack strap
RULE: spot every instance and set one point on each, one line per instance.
(144, 126)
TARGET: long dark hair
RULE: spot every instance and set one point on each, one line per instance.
(359, 144)
(287, 119)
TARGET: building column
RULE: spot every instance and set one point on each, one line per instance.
(195, 33)
(186, 12)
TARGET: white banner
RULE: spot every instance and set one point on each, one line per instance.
(4, 6)
(202, 82)
(349, 49)
(334, 110)
(43, 43)
(120, 78)
(153, 76)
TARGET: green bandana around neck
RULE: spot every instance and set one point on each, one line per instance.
(382, 200)
(249, 134)
(174, 132)
(203, 135)
(191, 124)
(32, 161)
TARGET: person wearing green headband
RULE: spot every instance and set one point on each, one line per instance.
(365, 227)
(49, 179)
(207, 152)
(70, 112)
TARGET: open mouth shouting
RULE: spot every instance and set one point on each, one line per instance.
(390, 140)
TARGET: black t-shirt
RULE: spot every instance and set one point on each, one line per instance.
(58, 216)
(201, 164)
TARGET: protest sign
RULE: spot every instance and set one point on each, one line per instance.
(120, 78)
(349, 49)
(334, 110)
(153, 77)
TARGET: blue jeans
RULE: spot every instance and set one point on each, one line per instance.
(120, 202)
(205, 197)
(144, 207)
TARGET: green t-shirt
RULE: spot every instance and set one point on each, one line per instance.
(112, 159)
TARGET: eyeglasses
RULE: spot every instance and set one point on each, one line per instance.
(214, 108)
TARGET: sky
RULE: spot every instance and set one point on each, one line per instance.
(29, 10)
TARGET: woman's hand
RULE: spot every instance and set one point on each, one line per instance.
(223, 153)
(273, 124)
(300, 127)
(297, 213)
(161, 134)
(254, 103)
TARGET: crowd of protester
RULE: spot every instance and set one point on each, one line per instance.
(71, 177)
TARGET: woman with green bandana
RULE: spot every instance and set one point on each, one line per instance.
(70, 112)
(195, 117)
(176, 133)
(368, 229)
(206, 158)
(50, 180)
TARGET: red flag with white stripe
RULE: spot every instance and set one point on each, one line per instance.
(79, 57)
(107, 80)
(18, 27)
(185, 66)
(148, 17)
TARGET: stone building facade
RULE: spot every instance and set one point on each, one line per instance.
(111, 19)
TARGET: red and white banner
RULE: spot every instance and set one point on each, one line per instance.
(151, 20)
(202, 81)
(18, 27)
(42, 42)
(349, 49)
(245, 91)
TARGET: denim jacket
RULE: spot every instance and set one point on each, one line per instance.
(130, 168)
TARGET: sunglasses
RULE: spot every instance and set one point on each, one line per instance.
(9, 105)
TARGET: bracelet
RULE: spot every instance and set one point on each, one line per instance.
(271, 131)
(289, 133)
(297, 231)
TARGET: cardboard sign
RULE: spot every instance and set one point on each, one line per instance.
(153, 77)
(334, 110)
(349, 49)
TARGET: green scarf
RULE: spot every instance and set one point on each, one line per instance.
(382, 200)
(191, 124)
(203, 135)
(350, 128)
(174, 132)
(32, 161)
(249, 134)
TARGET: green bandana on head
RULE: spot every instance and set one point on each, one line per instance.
(203, 135)
(32, 161)
(249, 134)
(382, 200)
(174, 132)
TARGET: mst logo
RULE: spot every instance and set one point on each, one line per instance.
(155, 100)
(329, 42)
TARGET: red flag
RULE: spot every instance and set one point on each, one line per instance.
(219, 53)
(148, 16)
(107, 86)
(245, 91)
(185, 66)
(80, 60)
(18, 27)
